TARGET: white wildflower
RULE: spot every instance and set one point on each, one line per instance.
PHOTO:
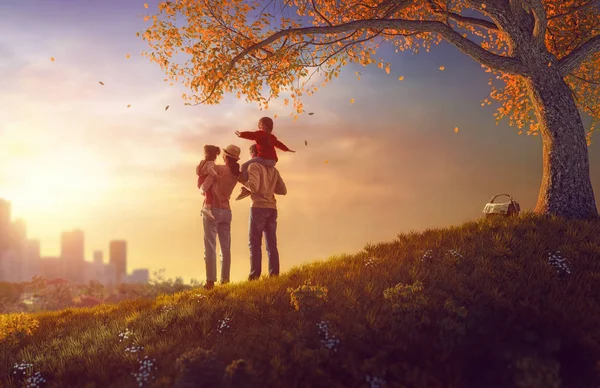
(559, 263)
(223, 325)
(144, 373)
(167, 308)
(375, 382)
(134, 349)
(427, 255)
(453, 253)
(370, 261)
(329, 341)
(125, 335)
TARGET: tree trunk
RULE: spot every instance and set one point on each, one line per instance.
(566, 188)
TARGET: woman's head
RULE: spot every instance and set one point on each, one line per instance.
(211, 152)
(231, 155)
(265, 124)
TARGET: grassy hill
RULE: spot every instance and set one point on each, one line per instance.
(503, 303)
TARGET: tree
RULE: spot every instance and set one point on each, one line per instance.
(543, 55)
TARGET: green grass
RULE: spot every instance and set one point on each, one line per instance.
(493, 313)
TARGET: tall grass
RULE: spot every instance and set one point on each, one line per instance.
(490, 303)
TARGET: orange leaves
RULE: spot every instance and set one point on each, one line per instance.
(456, 129)
(442, 68)
(401, 78)
(167, 107)
(127, 56)
(51, 59)
(146, 5)
(352, 100)
(129, 105)
(101, 83)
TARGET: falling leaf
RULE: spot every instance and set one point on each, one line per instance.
(455, 129)
(129, 106)
(145, 5)
(311, 113)
(327, 161)
(520, 133)
(275, 116)
(305, 143)
(483, 6)
(52, 59)
(549, 64)
(442, 68)
(127, 56)
(401, 78)
(167, 107)
(101, 83)
(352, 100)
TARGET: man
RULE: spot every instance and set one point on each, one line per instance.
(263, 183)
(221, 224)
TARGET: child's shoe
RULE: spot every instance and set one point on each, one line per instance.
(243, 194)
(208, 213)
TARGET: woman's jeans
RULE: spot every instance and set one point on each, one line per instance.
(221, 227)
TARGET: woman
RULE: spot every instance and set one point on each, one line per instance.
(221, 211)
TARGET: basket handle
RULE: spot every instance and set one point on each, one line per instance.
(496, 196)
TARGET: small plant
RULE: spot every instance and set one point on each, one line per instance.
(24, 372)
(308, 298)
(144, 373)
(426, 255)
(407, 302)
(329, 341)
(14, 327)
(559, 263)
(375, 382)
(370, 261)
(125, 335)
(167, 308)
(223, 325)
(134, 349)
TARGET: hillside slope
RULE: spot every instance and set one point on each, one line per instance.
(504, 303)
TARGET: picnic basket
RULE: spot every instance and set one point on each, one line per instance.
(506, 209)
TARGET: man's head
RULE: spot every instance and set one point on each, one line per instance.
(265, 124)
(253, 151)
(211, 152)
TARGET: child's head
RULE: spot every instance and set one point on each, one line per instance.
(211, 152)
(265, 124)
(253, 151)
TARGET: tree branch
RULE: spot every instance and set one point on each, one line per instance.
(470, 20)
(541, 20)
(575, 9)
(501, 63)
(580, 54)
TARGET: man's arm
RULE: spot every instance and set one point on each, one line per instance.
(280, 186)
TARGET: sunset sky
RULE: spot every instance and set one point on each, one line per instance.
(72, 155)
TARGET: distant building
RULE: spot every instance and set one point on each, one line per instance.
(139, 276)
(5, 224)
(51, 267)
(110, 275)
(118, 257)
(72, 255)
(31, 260)
(10, 265)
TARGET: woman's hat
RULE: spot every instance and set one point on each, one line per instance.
(232, 151)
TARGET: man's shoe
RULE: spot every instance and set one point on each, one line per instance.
(209, 285)
(245, 193)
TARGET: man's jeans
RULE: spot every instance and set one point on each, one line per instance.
(221, 227)
(263, 161)
(263, 220)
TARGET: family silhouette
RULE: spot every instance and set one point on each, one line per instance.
(260, 181)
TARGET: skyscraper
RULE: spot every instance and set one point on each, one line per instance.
(118, 257)
(31, 260)
(5, 224)
(72, 255)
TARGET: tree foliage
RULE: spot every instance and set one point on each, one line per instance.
(258, 50)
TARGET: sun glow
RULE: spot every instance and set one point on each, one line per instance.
(54, 183)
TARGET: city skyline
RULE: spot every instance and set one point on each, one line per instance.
(21, 258)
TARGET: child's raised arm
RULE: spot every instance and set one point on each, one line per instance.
(282, 146)
(250, 135)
